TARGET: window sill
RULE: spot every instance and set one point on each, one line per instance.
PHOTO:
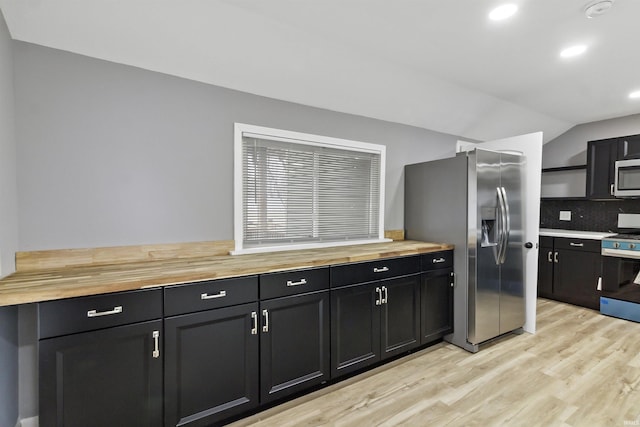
(294, 247)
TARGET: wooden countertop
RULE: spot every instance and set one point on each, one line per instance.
(50, 284)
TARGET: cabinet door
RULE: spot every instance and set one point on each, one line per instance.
(110, 377)
(294, 348)
(545, 272)
(211, 367)
(630, 146)
(601, 158)
(436, 306)
(575, 277)
(400, 315)
(355, 328)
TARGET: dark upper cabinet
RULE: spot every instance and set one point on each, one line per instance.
(630, 146)
(601, 159)
(110, 377)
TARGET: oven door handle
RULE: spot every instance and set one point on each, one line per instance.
(620, 253)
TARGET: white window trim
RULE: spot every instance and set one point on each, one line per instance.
(242, 129)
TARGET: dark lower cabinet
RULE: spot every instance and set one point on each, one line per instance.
(200, 354)
(400, 315)
(545, 267)
(569, 270)
(294, 344)
(373, 321)
(436, 304)
(355, 328)
(211, 365)
(575, 277)
(109, 377)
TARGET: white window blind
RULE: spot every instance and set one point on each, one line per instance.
(301, 192)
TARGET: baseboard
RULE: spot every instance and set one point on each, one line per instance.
(28, 422)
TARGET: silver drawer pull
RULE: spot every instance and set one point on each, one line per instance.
(218, 295)
(301, 282)
(380, 270)
(577, 244)
(94, 313)
(156, 344)
(438, 260)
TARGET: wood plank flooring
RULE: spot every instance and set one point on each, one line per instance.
(579, 369)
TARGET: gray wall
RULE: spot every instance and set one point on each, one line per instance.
(114, 155)
(570, 148)
(8, 234)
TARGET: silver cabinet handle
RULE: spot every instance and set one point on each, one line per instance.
(555, 257)
(386, 295)
(380, 270)
(301, 282)
(265, 314)
(612, 190)
(579, 245)
(94, 313)
(438, 260)
(379, 299)
(549, 256)
(453, 279)
(218, 295)
(156, 344)
(254, 322)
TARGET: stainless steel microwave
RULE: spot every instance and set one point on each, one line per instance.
(627, 180)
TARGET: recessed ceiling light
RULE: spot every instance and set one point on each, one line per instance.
(573, 51)
(503, 12)
(597, 8)
(635, 95)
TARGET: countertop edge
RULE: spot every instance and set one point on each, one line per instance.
(575, 234)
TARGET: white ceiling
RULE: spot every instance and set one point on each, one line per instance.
(439, 65)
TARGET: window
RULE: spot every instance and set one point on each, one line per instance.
(295, 190)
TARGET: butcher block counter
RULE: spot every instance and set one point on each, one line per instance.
(46, 283)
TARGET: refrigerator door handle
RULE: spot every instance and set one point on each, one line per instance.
(501, 229)
(507, 224)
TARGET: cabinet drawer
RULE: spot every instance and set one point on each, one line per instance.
(82, 314)
(273, 285)
(434, 260)
(361, 272)
(546, 242)
(587, 245)
(192, 297)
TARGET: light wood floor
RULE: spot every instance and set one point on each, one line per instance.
(579, 369)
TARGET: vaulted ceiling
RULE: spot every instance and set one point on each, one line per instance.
(440, 65)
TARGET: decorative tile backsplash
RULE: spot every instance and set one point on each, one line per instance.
(586, 215)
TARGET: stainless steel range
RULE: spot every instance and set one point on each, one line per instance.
(620, 295)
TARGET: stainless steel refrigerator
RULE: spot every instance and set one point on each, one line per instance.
(474, 200)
